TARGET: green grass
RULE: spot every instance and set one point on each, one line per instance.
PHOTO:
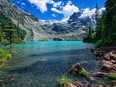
(111, 75)
(64, 80)
(83, 72)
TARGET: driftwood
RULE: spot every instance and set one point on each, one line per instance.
(100, 74)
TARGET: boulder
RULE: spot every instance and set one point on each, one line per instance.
(113, 55)
(108, 86)
(106, 57)
(98, 54)
(79, 84)
(114, 67)
(97, 85)
(91, 78)
(113, 61)
(75, 68)
(68, 84)
(86, 85)
(106, 65)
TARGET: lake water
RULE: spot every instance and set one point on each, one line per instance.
(41, 64)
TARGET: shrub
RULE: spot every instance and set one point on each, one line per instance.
(83, 72)
(111, 75)
(4, 56)
(63, 80)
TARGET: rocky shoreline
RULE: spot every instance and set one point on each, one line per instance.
(107, 59)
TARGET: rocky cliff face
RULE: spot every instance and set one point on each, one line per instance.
(76, 21)
(27, 21)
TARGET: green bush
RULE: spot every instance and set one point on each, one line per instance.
(111, 75)
(4, 56)
(63, 80)
(83, 72)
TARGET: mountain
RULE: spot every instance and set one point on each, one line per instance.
(75, 28)
(27, 21)
(49, 21)
(77, 21)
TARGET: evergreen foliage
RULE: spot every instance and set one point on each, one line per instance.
(10, 34)
(18, 34)
(106, 26)
(105, 34)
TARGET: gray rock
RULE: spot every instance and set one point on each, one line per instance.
(75, 68)
(68, 84)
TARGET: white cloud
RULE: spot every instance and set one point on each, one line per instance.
(66, 10)
(56, 10)
(88, 12)
(58, 4)
(41, 4)
(69, 9)
(51, 2)
(64, 20)
(53, 15)
(23, 4)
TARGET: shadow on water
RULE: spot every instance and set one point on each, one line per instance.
(69, 57)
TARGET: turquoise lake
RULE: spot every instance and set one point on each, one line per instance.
(42, 63)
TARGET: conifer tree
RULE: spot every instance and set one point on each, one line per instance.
(10, 34)
(1, 33)
(106, 25)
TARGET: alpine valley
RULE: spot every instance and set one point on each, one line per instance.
(74, 29)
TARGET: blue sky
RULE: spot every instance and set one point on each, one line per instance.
(58, 9)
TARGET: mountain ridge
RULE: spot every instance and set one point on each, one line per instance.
(75, 28)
